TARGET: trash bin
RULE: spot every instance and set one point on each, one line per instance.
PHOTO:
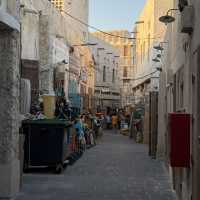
(47, 143)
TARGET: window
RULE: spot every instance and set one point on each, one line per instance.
(113, 76)
(126, 49)
(104, 73)
(126, 81)
(144, 49)
(179, 90)
(125, 72)
(149, 25)
(148, 54)
(117, 65)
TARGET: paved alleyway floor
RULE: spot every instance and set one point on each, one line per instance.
(116, 169)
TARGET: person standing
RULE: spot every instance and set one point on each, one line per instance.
(114, 122)
(80, 135)
(119, 118)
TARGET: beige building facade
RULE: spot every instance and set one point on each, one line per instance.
(106, 59)
(126, 46)
(179, 92)
(148, 33)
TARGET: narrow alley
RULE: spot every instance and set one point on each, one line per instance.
(116, 169)
(73, 70)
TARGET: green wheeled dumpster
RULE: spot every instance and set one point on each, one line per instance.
(47, 143)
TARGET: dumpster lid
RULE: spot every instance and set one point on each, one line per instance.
(49, 122)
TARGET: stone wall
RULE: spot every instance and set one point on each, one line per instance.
(9, 101)
(9, 98)
(9, 115)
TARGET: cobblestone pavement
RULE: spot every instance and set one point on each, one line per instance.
(116, 169)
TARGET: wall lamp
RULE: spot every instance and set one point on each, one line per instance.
(156, 60)
(168, 18)
(83, 45)
(159, 69)
(134, 32)
(100, 49)
(139, 22)
(159, 56)
(64, 62)
(159, 47)
(59, 36)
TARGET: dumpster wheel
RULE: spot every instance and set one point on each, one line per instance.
(59, 168)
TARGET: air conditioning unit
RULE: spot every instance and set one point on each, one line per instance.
(186, 22)
(7, 20)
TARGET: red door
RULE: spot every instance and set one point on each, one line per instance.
(179, 139)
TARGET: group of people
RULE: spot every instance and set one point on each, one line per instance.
(115, 119)
(112, 121)
(86, 135)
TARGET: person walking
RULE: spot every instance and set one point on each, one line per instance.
(114, 122)
(80, 135)
(108, 121)
(119, 118)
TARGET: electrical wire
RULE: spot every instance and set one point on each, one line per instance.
(96, 29)
(105, 33)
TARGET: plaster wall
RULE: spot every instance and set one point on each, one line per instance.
(182, 54)
(149, 33)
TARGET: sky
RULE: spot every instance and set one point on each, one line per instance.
(115, 14)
